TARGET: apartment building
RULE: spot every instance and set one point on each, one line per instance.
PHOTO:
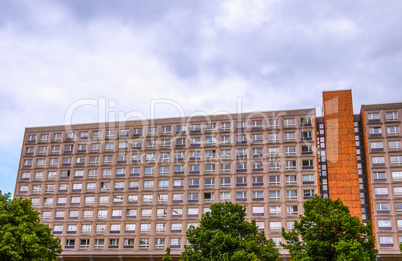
(133, 188)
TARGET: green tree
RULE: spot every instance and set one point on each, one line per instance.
(167, 255)
(22, 236)
(327, 231)
(224, 235)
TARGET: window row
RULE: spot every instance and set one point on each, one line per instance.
(179, 167)
(114, 214)
(164, 130)
(379, 161)
(390, 131)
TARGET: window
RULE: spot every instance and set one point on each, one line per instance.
(306, 149)
(162, 198)
(159, 243)
(260, 225)
(290, 164)
(382, 208)
(178, 198)
(241, 181)
(273, 123)
(290, 136)
(226, 126)
(396, 160)
(192, 212)
(391, 116)
(133, 185)
(179, 169)
(373, 117)
(113, 243)
(163, 184)
(258, 211)
(209, 197)
(396, 175)
(258, 195)
(193, 183)
(146, 213)
(377, 146)
(27, 163)
(274, 210)
(176, 228)
(88, 214)
(181, 129)
(148, 184)
(274, 180)
(70, 243)
(55, 149)
(386, 241)
(71, 229)
(226, 139)
(397, 191)
(124, 133)
(291, 194)
(210, 140)
(379, 176)
(130, 228)
(291, 180)
(394, 145)
(289, 123)
(129, 243)
(137, 144)
(78, 174)
(257, 138)
(175, 242)
(225, 182)
(57, 229)
(375, 131)
(132, 199)
(378, 161)
(209, 168)
(224, 196)
(85, 229)
(147, 199)
(96, 134)
(292, 210)
(195, 155)
(132, 213)
(75, 200)
(193, 197)
(308, 179)
(381, 192)
(258, 180)
(194, 169)
(393, 130)
(100, 229)
(178, 183)
(273, 165)
(273, 151)
(275, 227)
(241, 167)
(226, 154)
(240, 139)
(225, 167)
(209, 183)
(305, 121)
(102, 214)
(307, 164)
(134, 171)
(161, 212)
(36, 189)
(308, 194)
(241, 196)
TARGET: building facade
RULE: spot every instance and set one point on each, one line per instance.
(133, 188)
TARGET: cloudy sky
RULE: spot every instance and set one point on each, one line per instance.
(201, 55)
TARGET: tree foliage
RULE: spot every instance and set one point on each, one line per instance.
(327, 231)
(167, 255)
(224, 235)
(22, 236)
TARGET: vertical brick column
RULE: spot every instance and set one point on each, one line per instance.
(343, 179)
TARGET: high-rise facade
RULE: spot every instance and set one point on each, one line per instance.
(133, 188)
